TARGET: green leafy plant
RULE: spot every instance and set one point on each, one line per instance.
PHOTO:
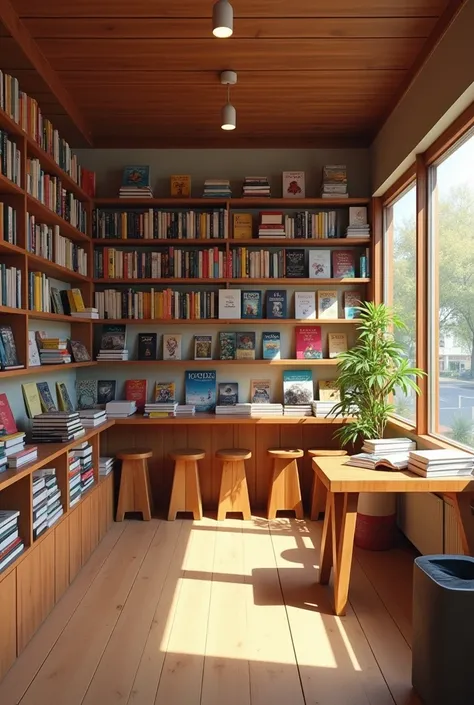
(371, 372)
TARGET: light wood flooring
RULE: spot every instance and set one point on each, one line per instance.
(201, 613)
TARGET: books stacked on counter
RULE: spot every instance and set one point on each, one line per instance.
(234, 409)
(157, 410)
(271, 225)
(90, 418)
(74, 473)
(54, 507)
(334, 183)
(321, 409)
(120, 409)
(11, 544)
(217, 188)
(256, 187)
(136, 182)
(40, 506)
(185, 410)
(88, 312)
(383, 454)
(267, 409)
(14, 442)
(57, 427)
(54, 351)
(83, 453)
(297, 410)
(441, 463)
(106, 465)
(28, 454)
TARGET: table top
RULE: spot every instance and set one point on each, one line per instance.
(338, 477)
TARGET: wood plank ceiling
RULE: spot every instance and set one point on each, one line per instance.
(145, 72)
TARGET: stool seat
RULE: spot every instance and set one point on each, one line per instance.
(318, 453)
(186, 490)
(285, 491)
(135, 454)
(288, 453)
(234, 454)
(135, 491)
(188, 454)
(319, 492)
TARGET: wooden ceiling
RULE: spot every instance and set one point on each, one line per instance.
(145, 73)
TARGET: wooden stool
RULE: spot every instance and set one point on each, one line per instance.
(234, 494)
(135, 491)
(186, 493)
(319, 493)
(285, 493)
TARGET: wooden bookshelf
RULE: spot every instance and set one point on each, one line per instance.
(9, 187)
(57, 271)
(290, 362)
(245, 280)
(232, 242)
(43, 214)
(183, 203)
(227, 321)
(201, 419)
(42, 369)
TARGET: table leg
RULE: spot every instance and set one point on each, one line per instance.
(344, 522)
(462, 507)
(325, 556)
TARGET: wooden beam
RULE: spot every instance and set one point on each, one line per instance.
(30, 49)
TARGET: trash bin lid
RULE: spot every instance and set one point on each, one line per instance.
(450, 572)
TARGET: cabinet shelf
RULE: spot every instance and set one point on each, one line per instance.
(251, 242)
(51, 269)
(249, 203)
(246, 280)
(7, 248)
(9, 187)
(44, 369)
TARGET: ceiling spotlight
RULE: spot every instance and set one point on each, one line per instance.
(228, 112)
(222, 19)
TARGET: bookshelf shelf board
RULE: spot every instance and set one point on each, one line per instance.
(301, 242)
(7, 248)
(159, 282)
(44, 369)
(226, 321)
(232, 202)
(43, 214)
(158, 242)
(46, 316)
(7, 123)
(161, 202)
(49, 165)
(326, 362)
(40, 264)
(246, 280)
(7, 186)
(201, 418)
(14, 311)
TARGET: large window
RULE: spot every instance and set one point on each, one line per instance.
(400, 281)
(451, 254)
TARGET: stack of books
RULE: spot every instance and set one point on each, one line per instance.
(256, 187)
(3, 452)
(113, 343)
(14, 442)
(267, 409)
(136, 182)
(334, 184)
(441, 463)
(271, 225)
(22, 457)
(112, 355)
(156, 410)
(54, 505)
(54, 351)
(90, 418)
(40, 506)
(106, 465)
(57, 427)
(88, 312)
(185, 410)
(297, 410)
(120, 409)
(388, 445)
(322, 409)
(83, 453)
(234, 410)
(75, 491)
(11, 544)
(217, 188)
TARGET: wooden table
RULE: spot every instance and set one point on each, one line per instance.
(344, 483)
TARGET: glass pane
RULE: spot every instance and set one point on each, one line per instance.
(400, 249)
(452, 249)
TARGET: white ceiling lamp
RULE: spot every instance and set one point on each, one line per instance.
(222, 19)
(228, 112)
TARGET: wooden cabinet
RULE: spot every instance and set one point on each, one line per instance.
(86, 528)
(61, 558)
(94, 520)
(75, 542)
(7, 622)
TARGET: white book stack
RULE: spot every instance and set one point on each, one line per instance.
(106, 466)
(185, 410)
(120, 409)
(388, 445)
(75, 489)
(321, 409)
(112, 355)
(87, 313)
(441, 463)
(14, 443)
(92, 417)
(234, 410)
(168, 408)
(267, 409)
(54, 504)
(298, 410)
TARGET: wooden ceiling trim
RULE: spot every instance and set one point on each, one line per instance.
(28, 46)
(214, 140)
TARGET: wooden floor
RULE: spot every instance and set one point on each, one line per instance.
(200, 613)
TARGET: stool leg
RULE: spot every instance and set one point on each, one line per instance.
(125, 499)
(142, 493)
(193, 490)
(234, 495)
(293, 491)
(178, 492)
(285, 493)
(318, 500)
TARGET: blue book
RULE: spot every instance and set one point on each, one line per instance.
(271, 346)
(136, 177)
(251, 304)
(200, 389)
(277, 303)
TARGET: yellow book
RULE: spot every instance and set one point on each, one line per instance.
(38, 293)
(242, 226)
(32, 399)
(328, 390)
(181, 185)
(124, 226)
(337, 344)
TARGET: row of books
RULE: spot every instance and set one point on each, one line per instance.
(39, 399)
(43, 296)
(50, 191)
(47, 501)
(158, 224)
(156, 305)
(10, 286)
(169, 263)
(10, 158)
(11, 543)
(26, 112)
(46, 241)
(81, 466)
(8, 223)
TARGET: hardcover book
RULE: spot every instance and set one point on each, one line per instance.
(164, 392)
(113, 337)
(252, 304)
(46, 399)
(277, 303)
(147, 346)
(79, 351)
(319, 264)
(343, 264)
(200, 389)
(260, 391)
(337, 343)
(86, 393)
(6, 416)
(295, 265)
(245, 346)
(64, 400)
(135, 390)
(8, 354)
(293, 184)
(172, 347)
(297, 387)
(203, 347)
(351, 304)
(32, 399)
(56, 301)
(305, 305)
(358, 215)
(308, 343)
(228, 393)
(327, 305)
(271, 346)
(76, 301)
(33, 352)
(136, 177)
(328, 390)
(227, 345)
(242, 226)
(106, 391)
(181, 185)
(230, 303)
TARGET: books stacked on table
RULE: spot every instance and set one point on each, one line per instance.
(75, 491)
(267, 409)
(120, 409)
(90, 418)
(106, 465)
(441, 463)
(40, 506)
(53, 503)
(11, 544)
(88, 312)
(297, 410)
(256, 187)
(54, 351)
(156, 410)
(388, 445)
(83, 453)
(271, 225)
(57, 427)
(234, 410)
(334, 183)
(217, 188)
(136, 182)
(22, 457)
(322, 409)
(185, 410)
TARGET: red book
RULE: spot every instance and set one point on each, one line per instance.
(308, 343)
(11, 547)
(343, 264)
(6, 416)
(135, 390)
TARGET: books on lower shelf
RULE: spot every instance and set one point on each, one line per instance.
(323, 409)
(10, 158)
(185, 410)
(47, 501)
(441, 463)
(10, 286)
(11, 544)
(83, 453)
(57, 427)
(154, 224)
(120, 409)
(266, 409)
(153, 304)
(297, 410)
(298, 388)
(54, 351)
(106, 465)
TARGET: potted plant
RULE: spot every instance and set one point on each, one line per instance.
(370, 375)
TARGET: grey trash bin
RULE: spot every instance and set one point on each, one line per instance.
(443, 629)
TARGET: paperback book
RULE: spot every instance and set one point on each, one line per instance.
(7, 420)
(106, 391)
(242, 226)
(295, 265)
(252, 304)
(164, 392)
(147, 346)
(260, 391)
(227, 345)
(8, 353)
(293, 184)
(32, 399)
(343, 264)
(327, 305)
(305, 305)
(86, 393)
(230, 303)
(308, 343)
(136, 177)
(328, 390)
(337, 343)
(46, 399)
(319, 264)
(200, 389)
(79, 351)
(136, 390)
(351, 304)
(203, 347)
(113, 337)
(64, 400)
(245, 346)
(181, 186)
(271, 346)
(172, 347)
(228, 393)
(276, 303)
(297, 387)
(33, 352)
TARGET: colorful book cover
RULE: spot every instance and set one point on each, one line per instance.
(114, 337)
(260, 391)
(32, 399)
(337, 343)
(271, 346)
(277, 303)
(308, 343)
(228, 393)
(293, 184)
(79, 351)
(343, 264)
(8, 352)
(297, 387)
(227, 345)
(106, 391)
(135, 390)
(319, 264)
(86, 393)
(252, 304)
(76, 301)
(327, 305)
(245, 346)
(165, 392)
(172, 347)
(295, 264)
(6, 416)
(203, 347)
(33, 352)
(56, 301)
(136, 177)
(358, 216)
(180, 185)
(230, 303)
(64, 400)
(351, 304)
(46, 398)
(243, 223)
(200, 389)
(147, 346)
(305, 305)
(328, 390)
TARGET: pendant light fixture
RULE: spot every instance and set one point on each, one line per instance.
(222, 19)
(228, 112)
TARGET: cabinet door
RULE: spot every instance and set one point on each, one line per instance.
(94, 522)
(86, 528)
(75, 543)
(103, 511)
(110, 500)
(7, 622)
(61, 535)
